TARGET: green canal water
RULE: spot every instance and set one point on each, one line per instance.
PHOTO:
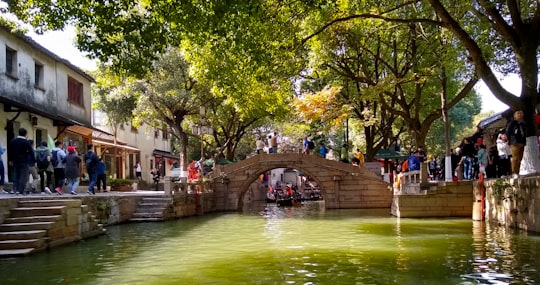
(289, 246)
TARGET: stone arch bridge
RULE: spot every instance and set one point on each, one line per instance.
(343, 186)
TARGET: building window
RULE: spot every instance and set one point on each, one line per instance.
(11, 62)
(38, 75)
(41, 136)
(165, 134)
(75, 92)
(156, 134)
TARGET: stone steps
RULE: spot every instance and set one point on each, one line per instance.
(26, 226)
(16, 252)
(37, 211)
(151, 209)
(22, 243)
(25, 232)
(35, 225)
(32, 219)
(43, 203)
(22, 235)
(148, 215)
(140, 220)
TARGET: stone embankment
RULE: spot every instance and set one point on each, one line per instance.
(33, 224)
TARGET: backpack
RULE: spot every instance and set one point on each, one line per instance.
(54, 158)
(311, 145)
(89, 162)
(42, 161)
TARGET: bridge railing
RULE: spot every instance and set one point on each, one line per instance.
(410, 182)
(174, 187)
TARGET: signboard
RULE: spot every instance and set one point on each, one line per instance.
(374, 167)
(201, 130)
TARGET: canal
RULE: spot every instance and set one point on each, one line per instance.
(289, 246)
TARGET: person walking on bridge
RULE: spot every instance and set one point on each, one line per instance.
(259, 144)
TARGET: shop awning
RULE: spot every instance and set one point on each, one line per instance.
(390, 154)
(126, 147)
(164, 153)
(81, 127)
(58, 120)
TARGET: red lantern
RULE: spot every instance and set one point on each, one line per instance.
(537, 119)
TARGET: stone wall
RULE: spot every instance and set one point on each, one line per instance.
(513, 202)
(5, 205)
(443, 199)
(112, 209)
(186, 205)
(69, 227)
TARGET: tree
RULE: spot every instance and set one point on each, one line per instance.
(496, 35)
(130, 34)
(171, 96)
(243, 98)
(116, 96)
(513, 28)
(392, 71)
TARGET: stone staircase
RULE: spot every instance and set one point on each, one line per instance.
(152, 209)
(35, 225)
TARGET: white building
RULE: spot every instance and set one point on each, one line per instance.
(149, 146)
(43, 93)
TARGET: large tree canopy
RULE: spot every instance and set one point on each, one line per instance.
(245, 50)
(129, 34)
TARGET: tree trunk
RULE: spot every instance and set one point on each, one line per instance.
(183, 151)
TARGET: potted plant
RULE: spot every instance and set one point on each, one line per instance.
(120, 184)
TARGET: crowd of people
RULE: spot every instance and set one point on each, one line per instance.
(472, 158)
(309, 146)
(40, 169)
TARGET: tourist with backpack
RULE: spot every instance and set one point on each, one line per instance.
(18, 152)
(73, 170)
(32, 170)
(91, 162)
(308, 145)
(44, 167)
(58, 160)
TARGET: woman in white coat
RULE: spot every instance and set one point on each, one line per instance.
(503, 149)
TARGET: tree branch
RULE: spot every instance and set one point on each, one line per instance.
(368, 16)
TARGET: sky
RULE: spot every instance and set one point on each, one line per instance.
(62, 43)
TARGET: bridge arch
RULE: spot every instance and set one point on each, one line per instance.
(255, 175)
(344, 186)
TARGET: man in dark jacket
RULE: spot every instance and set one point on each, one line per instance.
(91, 162)
(516, 131)
(19, 152)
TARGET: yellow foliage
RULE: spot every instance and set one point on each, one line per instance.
(322, 106)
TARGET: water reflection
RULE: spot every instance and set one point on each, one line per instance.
(498, 257)
(306, 245)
